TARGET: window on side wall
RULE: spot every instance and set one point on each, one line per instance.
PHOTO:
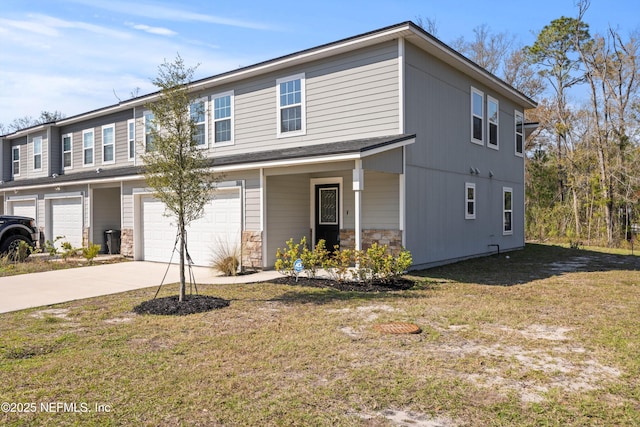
(67, 154)
(470, 200)
(493, 112)
(198, 114)
(519, 138)
(223, 118)
(87, 147)
(37, 153)
(108, 144)
(149, 125)
(15, 161)
(477, 116)
(131, 139)
(507, 210)
(291, 105)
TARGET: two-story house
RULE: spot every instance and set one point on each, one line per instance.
(388, 136)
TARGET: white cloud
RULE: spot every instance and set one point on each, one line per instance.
(153, 30)
(155, 11)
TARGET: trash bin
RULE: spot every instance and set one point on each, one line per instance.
(112, 240)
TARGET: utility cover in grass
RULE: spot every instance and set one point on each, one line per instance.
(190, 305)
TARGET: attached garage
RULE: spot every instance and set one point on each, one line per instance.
(65, 218)
(25, 207)
(219, 227)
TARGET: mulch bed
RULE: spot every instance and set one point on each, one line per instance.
(398, 284)
(190, 305)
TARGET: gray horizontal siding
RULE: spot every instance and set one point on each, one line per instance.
(380, 201)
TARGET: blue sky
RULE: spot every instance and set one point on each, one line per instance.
(78, 55)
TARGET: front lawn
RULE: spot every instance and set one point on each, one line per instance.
(547, 336)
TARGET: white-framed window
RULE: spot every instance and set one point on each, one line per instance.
(87, 147)
(493, 113)
(519, 138)
(131, 139)
(507, 210)
(470, 200)
(37, 153)
(67, 153)
(477, 116)
(223, 118)
(109, 144)
(15, 161)
(149, 125)
(291, 105)
(198, 114)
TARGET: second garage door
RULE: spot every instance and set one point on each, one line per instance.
(220, 226)
(66, 220)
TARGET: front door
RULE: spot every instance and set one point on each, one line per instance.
(328, 214)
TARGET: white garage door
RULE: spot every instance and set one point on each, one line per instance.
(23, 208)
(66, 220)
(219, 226)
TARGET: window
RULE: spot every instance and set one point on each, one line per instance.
(131, 138)
(37, 153)
(470, 199)
(477, 116)
(507, 203)
(291, 108)
(15, 161)
(493, 112)
(67, 156)
(108, 144)
(519, 117)
(223, 118)
(87, 147)
(198, 113)
(149, 126)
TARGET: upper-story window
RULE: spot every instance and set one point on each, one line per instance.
(223, 118)
(477, 116)
(493, 110)
(131, 139)
(291, 105)
(507, 210)
(470, 199)
(108, 144)
(67, 147)
(37, 153)
(519, 119)
(87, 147)
(198, 113)
(149, 125)
(15, 161)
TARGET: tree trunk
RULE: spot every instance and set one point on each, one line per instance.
(183, 286)
(576, 213)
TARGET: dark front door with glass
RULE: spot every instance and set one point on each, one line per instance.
(328, 214)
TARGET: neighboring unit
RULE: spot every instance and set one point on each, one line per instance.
(389, 136)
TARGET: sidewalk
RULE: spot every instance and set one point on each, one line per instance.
(54, 287)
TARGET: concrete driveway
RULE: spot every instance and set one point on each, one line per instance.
(54, 287)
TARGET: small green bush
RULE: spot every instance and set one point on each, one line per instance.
(68, 250)
(285, 258)
(314, 259)
(91, 252)
(50, 246)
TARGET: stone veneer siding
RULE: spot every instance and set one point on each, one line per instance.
(391, 238)
(252, 249)
(126, 242)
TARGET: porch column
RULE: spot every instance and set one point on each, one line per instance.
(358, 187)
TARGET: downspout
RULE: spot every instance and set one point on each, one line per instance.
(358, 187)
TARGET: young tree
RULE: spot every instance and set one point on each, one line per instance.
(175, 168)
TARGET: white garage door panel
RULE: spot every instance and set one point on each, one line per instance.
(220, 225)
(23, 208)
(66, 220)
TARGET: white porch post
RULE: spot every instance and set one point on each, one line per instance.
(358, 187)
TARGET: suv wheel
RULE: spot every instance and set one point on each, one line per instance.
(11, 245)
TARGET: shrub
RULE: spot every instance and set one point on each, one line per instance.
(50, 246)
(339, 263)
(68, 250)
(286, 257)
(91, 252)
(226, 258)
(313, 259)
(22, 252)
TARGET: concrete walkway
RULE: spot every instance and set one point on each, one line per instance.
(54, 287)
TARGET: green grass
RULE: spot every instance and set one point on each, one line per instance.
(549, 336)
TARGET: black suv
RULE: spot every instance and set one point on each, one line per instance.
(14, 229)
